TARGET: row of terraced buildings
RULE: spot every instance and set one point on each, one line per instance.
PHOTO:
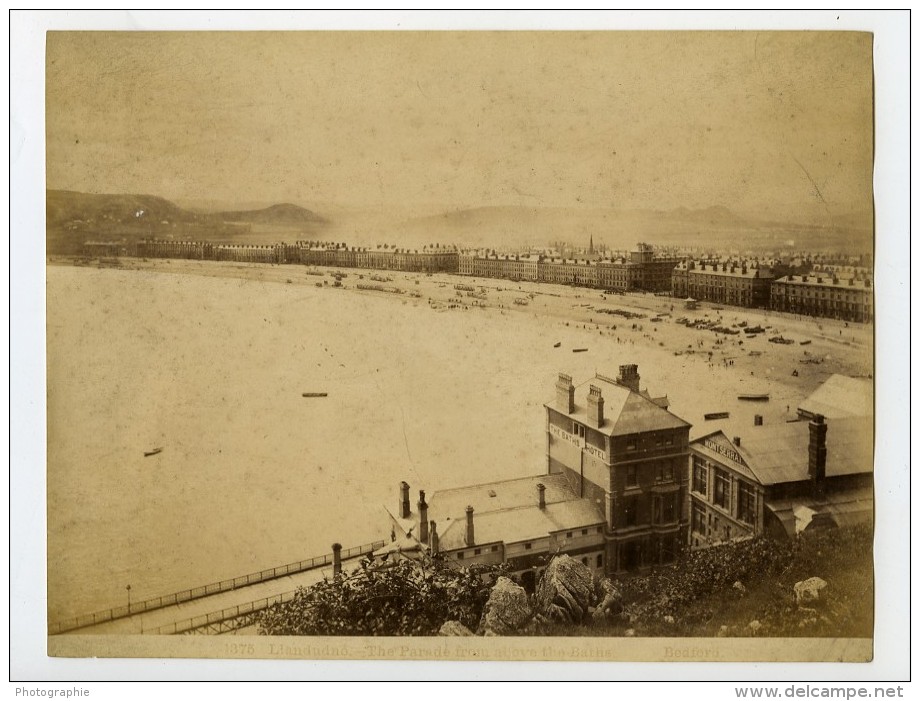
(839, 292)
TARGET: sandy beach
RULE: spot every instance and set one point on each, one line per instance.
(209, 361)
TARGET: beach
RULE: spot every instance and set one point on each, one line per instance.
(209, 362)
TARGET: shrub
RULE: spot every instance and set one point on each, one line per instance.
(405, 597)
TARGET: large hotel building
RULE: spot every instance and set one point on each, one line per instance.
(614, 492)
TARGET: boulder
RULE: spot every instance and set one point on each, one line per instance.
(739, 587)
(507, 611)
(454, 628)
(611, 601)
(566, 591)
(808, 590)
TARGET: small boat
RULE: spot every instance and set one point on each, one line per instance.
(315, 394)
(754, 397)
(804, 343)
(155, 451)
(579, 350)
(557, 344)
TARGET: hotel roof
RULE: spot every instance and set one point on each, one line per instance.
(779, 453)
(625, 411)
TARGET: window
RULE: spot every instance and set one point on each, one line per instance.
(631, 444)
(665, 472)
(668, 510)
(721, 483)
(698, 520)
(584, 561)
(477, 551)
(631, 510)
(600, 561)
(578, 430)
(494, 548)
(746, 502)
(460, 555)
(528, 546)
(631, 476)
(569, 534)
(700, 475)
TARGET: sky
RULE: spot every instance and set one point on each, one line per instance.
(760, 122)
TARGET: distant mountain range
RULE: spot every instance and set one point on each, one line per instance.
(718, 227)
(73, 217)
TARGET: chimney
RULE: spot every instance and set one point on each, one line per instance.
(541, 491)
(758, 420)
(336, 559)
(422, 517)
(470, 539)
(629, 377)
(817, 452)
(404, 510)
(595, 406)
(565, 393)
(433, 534)
(737, 441)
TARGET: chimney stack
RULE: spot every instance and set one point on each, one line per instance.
(817, 452)
(336, 559)
(470, 539)
(737, 441)
(629, 377)
(422, 517)
(404, 510)
(433, 535)
(565, 393)
(595, 406)
(541, 490)
(758, 420)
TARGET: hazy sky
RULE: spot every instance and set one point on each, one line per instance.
(761, 122)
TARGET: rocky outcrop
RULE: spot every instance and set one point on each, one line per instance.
(566, 591)
(611, 601)
(451, 628)
(809, 590)
(507, 611)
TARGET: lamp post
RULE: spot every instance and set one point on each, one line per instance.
(128, 589)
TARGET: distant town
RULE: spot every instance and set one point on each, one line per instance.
(820, 285)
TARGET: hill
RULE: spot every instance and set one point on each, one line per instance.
(75, 217)
(278, 214)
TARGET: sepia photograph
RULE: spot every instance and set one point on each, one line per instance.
(462, 345)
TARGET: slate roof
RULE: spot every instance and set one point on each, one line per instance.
(625, 411)
(840, 396)
(779, 453)
(508, 511)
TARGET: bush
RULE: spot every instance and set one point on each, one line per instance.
(402, 598)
